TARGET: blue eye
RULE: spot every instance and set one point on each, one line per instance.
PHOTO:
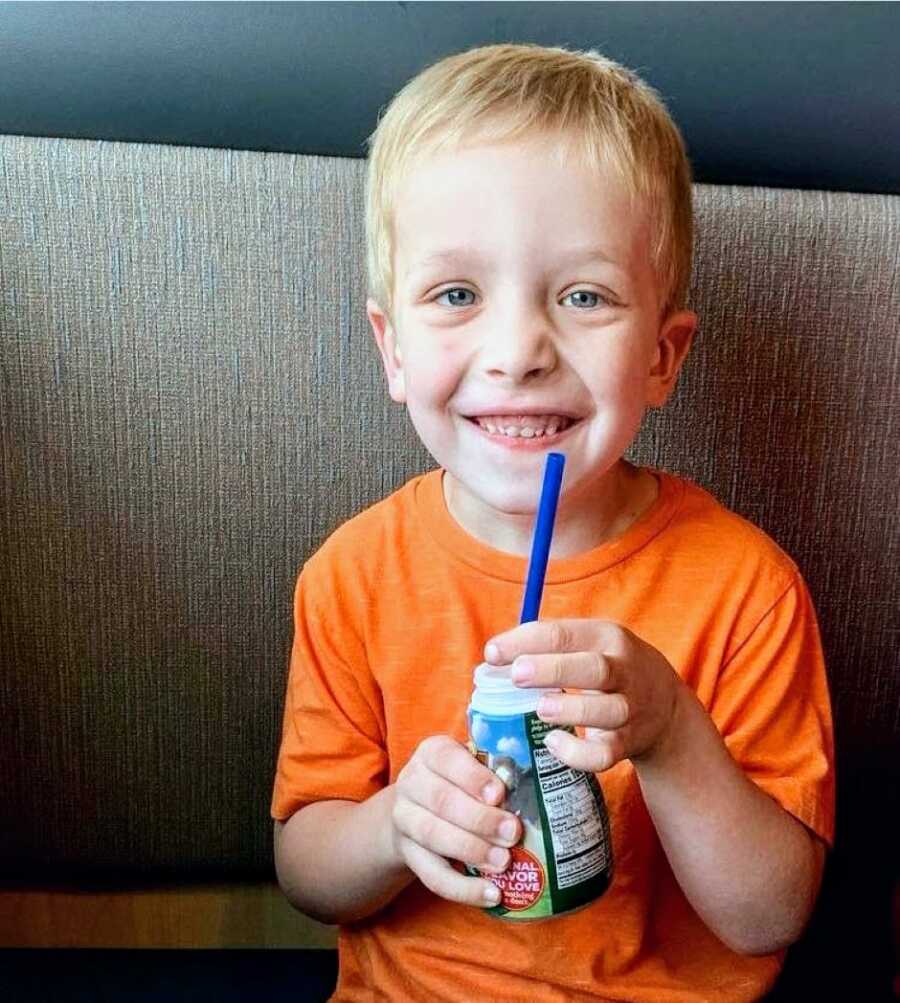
(584, 298)
(455, 297)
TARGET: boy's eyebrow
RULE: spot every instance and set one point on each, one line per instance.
(437, 257)
(578, 255)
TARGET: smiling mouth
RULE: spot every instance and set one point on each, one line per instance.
(524, 426)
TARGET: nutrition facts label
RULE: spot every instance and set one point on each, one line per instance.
(577, 830)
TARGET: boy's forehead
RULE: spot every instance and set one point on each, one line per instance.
(483, 163)
(473, 203)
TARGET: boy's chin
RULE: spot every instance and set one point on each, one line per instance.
(505, 497)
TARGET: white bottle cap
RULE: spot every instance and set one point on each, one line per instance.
(496, 693)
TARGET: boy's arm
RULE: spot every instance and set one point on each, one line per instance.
(749, 868)
(335, 859)
(341, 861)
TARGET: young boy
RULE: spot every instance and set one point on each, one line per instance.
(529, 222)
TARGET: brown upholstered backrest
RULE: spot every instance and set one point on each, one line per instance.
(190, 402)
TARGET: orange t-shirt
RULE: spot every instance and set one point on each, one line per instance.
(391, 616)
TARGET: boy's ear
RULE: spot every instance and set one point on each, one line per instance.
(672, 345)
(386, 339)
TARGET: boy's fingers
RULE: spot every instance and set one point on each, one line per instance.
(452, 761)
(444, 799)
(542, 636)
(583, 670)
(439, 877)
(594, 755)
(606, 711)
(448, 840)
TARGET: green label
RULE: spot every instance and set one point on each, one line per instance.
(574, 822)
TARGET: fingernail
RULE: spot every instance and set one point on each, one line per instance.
(491, 653)
(497, 857)
(522, 672)
(548, 707)
(508, 829)
(490, 792)
(492, 895)
(552, 741)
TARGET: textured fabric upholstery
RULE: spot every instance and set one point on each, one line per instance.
(191, 402)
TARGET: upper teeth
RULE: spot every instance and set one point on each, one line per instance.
(526, 427)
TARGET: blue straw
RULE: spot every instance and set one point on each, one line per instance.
(543, 533)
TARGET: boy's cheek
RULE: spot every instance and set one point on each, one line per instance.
(432, 374)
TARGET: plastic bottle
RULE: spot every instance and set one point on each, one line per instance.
(564, 859)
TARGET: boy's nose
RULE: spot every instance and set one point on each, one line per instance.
(519, 348)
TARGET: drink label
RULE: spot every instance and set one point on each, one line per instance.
(564, 859)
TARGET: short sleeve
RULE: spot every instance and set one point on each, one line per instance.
(332, 743)
(773, 710)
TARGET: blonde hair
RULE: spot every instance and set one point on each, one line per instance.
(601, 111)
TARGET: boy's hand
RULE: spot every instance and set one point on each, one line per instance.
(628, 691)
(445, 809)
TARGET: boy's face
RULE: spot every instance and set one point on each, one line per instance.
(526, 319)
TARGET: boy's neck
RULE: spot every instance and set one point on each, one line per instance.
(583, 522)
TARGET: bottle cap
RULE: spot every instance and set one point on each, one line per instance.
(496, 693)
